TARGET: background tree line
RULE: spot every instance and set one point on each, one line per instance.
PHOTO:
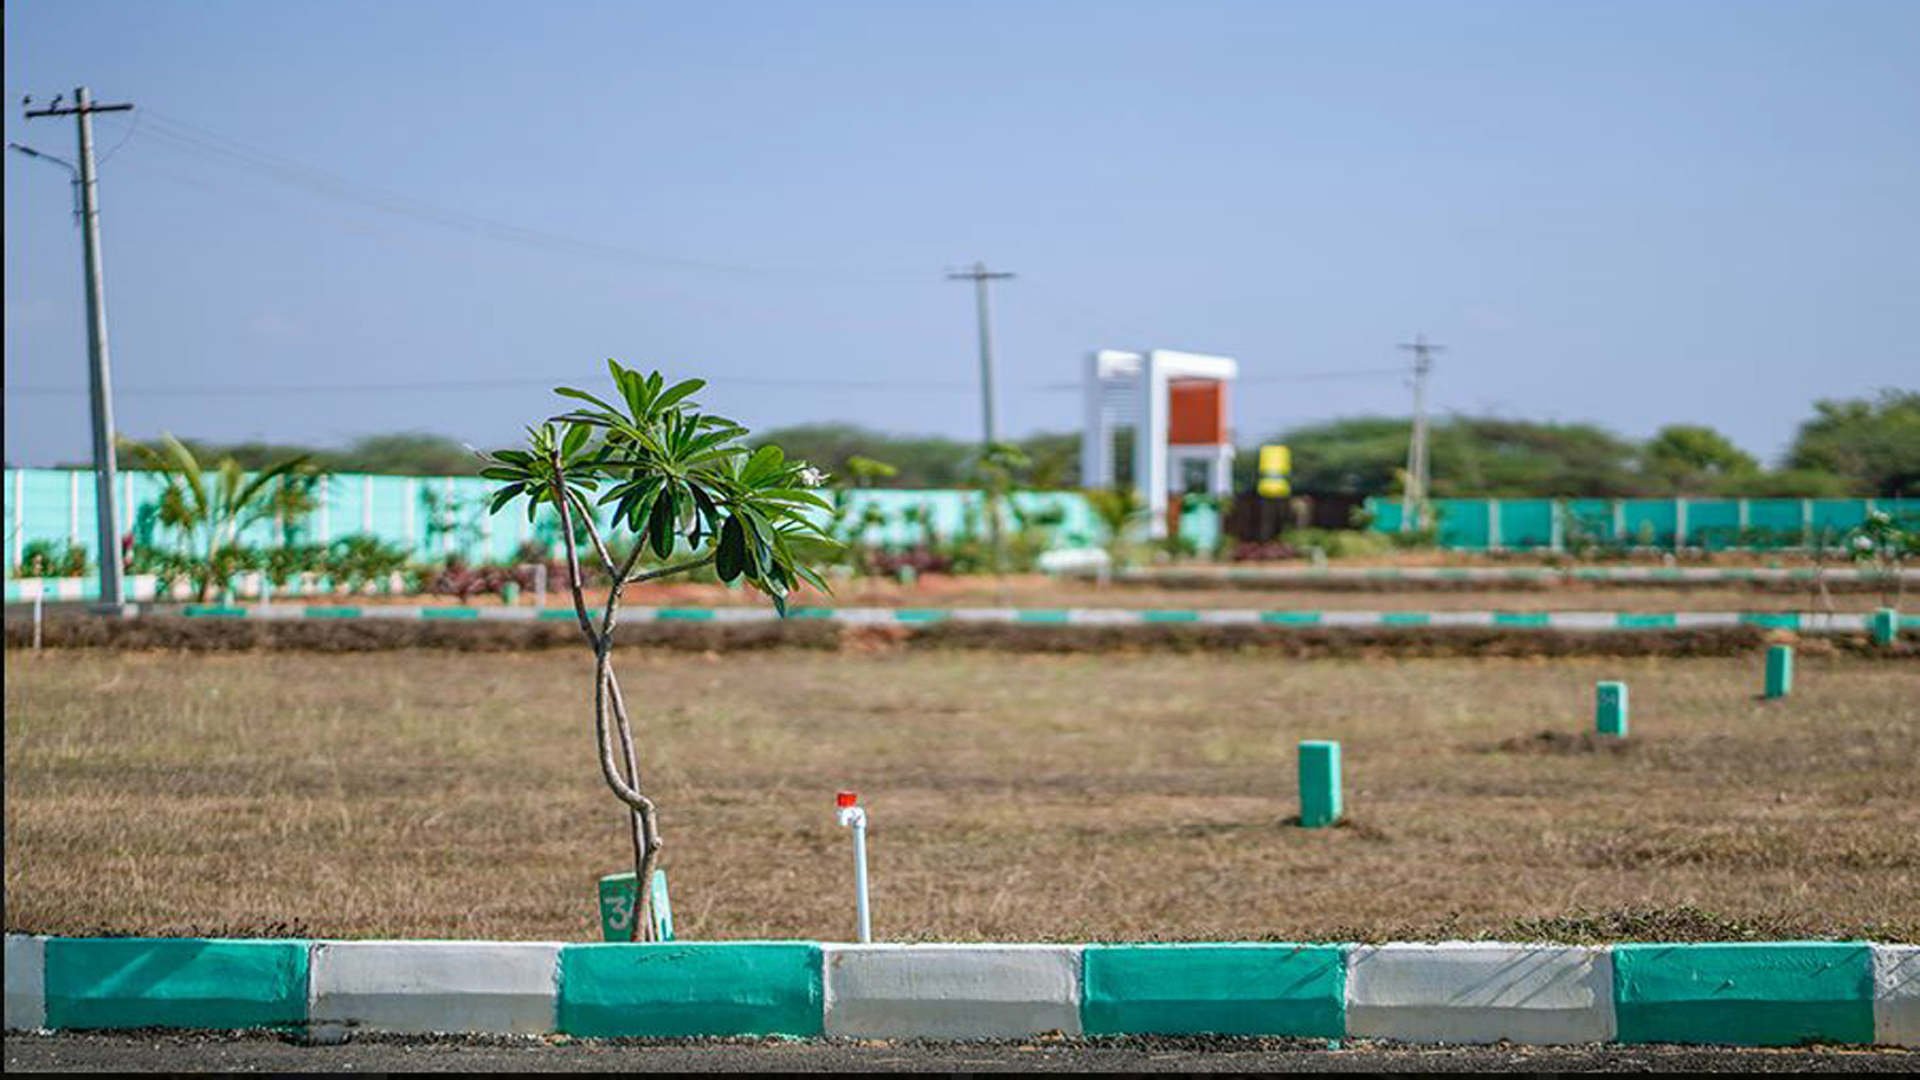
(1858, 447)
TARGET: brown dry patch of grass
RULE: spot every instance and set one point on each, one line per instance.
(1014, 797)
(377, 635)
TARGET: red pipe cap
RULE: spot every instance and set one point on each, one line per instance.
(847, 798)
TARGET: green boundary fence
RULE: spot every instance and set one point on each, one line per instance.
(1559, 524)
(432, 517)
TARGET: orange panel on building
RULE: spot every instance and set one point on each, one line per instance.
(1196, 412)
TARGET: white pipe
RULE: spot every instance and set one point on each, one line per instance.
(39, 607)
(856, 817)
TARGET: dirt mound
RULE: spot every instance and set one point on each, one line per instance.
(1553, 743)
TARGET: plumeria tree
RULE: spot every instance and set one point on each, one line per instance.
(685, 487)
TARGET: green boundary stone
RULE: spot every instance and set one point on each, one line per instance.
(1405, 618)
(1214, 989)
(1779, 675)
(1627, 620)
(1610, 707)
(919, 615)
(1521, 618)
(175, 982)
(1319, 783)
(671, 614)
(1746, 993)
(558, 613)
(810, 613)
(1039, 616)
(1772, 620)
(1169, 616)
(691, 988)
(1291, 618)
(331, 613)
(214, 611)
(449, 613)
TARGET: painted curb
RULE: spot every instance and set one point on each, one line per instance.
(1229, 989)
(1802, 622)
(1745, 993)
(26, 983)
(425, 987)
(1896, 995)
(1758, 993)
(175, 982)
(952, 991)
(684, 989)
(1475, 992)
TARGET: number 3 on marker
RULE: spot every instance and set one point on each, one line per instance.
(620, 915)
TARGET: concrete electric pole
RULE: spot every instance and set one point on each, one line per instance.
(1414, 501)
(980, 275)
(99, 381)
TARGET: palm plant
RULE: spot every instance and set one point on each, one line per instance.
(212, 506)
(1117, 508)
(676, 479)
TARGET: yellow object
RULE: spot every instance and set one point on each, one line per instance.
(1276, 462)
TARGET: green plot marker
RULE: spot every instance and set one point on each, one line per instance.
(1886, 626)
(1610, 708)
(1779, 670)
(1319, 783)
(618, 899)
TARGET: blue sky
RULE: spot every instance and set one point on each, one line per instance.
(382, 216)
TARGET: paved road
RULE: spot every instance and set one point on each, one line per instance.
(177, 1052)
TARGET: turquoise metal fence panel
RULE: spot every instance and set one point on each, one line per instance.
(433, 516)
(1526, 523)
(1715, 523)
(1832, 517)
(1776, 518)
(1649, 521)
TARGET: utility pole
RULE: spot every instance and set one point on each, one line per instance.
(99, 381)
(1414, 500)
(980, 275)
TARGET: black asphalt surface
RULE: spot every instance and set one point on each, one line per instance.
(171, 1051)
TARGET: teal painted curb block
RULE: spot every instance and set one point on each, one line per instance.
(685, 989)
(1214, 990)
(1750, 994)
(175, 982)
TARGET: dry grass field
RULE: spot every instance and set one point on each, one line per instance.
(1014, 797)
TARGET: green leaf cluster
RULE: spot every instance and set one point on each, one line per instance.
(674, 477)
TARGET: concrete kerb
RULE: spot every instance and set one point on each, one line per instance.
(1480, 992)
(1758, 993)
(952, 991)
(1896, 994)
(26, 983)
(424, 987)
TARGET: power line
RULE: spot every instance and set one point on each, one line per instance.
(185, 137)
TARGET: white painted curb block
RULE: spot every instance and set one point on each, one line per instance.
(1474, 992)
(952, 991)
(26, 982)
(418, 987)
(1896, 995)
